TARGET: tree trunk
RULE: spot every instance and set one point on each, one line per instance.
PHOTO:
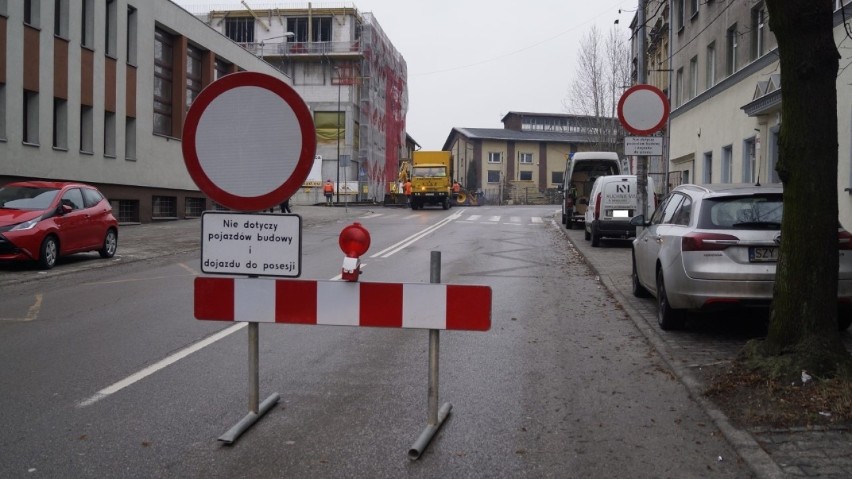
(803, 330)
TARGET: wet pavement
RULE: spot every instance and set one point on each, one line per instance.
(771, 453)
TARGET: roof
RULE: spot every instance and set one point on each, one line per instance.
(514, 135)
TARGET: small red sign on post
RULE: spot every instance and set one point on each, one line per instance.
(249, 141)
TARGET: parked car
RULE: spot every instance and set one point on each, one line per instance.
(614, 200)
(716, 246)
(581, 169)
(43, 220)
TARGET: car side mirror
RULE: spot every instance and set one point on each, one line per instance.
(65, 209)
(638, 220)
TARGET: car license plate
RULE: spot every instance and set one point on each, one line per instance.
(757, 254)
(620, 214)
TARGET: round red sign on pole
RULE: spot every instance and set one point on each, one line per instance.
(643, 109)
(249, 141)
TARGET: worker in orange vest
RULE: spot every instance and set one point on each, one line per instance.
(407, 190)
(328, 191)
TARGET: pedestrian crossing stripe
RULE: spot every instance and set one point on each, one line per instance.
(514, 220)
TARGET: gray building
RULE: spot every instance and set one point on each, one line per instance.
(97, 91)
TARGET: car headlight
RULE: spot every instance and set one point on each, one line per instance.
(26, 225)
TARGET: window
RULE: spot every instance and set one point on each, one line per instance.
(164, 207)
(60, 124)
(494, 176)
(708, 167)
(131, 35)
(525, 158)
(557, 177)
(74, 199)
(163, 74)
(727, 160)
(86, 129)
(684, 177)
(683, 215)
(193, 74)
(330, 126)
(758, 27)
(525, 176)
(299, 27)
(222, 68)
(711, 65)
(194, 207)
(240, 30)
(110, 27)
(680, 12)
(321, 30)
(30, 120)
(495, 157)
(130, 138)
(31, 13)
(678, 99)
(693, 77)
(60, 18)
(749, 160)
(128, 211)
(693, 8)
(109, 134)
(91, 197)
(88, 23)
(732, 38)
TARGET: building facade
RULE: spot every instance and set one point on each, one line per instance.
(725, 94)
(97, 91)
(352, 78)
(526, 158)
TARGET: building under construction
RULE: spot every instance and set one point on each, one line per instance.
(350, 75)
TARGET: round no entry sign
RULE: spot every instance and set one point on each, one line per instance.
(249, 141)
(643, 109)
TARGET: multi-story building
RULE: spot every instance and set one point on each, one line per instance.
(725, 96)
(347, 70)
(527, 156)
(97, 91)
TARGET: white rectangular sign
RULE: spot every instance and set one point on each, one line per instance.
(643, 145)
(251, 244)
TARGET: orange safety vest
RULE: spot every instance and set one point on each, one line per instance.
(328, 188)
(407, 187)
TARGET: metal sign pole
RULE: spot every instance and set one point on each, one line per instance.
(255, 411)
(436, 417)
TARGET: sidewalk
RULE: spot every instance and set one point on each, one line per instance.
(771, 453)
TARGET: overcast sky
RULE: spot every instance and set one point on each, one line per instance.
(472, 61)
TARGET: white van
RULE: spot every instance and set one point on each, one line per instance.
(612, 202)
(581, 170)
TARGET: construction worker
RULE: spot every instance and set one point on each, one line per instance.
(328, 191)
(456, 189)
(407, 189)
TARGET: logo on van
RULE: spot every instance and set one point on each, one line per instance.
(622, 188)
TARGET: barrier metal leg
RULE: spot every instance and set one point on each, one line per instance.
(255, 411)
(436, 416)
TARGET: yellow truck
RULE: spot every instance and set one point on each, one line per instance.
(431, 179)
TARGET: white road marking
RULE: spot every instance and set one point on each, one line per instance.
(394, 248)
(494, 218)
(134, 378)
(536, 219)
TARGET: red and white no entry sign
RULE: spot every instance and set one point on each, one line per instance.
(643, 109)
(249, 141)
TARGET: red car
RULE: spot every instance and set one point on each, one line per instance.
(43, 220)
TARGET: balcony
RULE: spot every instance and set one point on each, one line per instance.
(303, 48)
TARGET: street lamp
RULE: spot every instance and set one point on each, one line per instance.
(337, 70)
(262, 42)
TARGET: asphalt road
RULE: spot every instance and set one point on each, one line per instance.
(563, 385)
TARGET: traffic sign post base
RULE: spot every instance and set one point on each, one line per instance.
(256, 411)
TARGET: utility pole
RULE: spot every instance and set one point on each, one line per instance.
(642, 166)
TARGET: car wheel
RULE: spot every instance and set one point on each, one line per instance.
(446, 204)
(667, 317)
(596, 238)
(49, 252)
(844, 317)
(638, 290)
(110, 244)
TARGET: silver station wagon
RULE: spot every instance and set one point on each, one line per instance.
(716, 246)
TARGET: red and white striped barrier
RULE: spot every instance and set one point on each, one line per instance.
(343, 303)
